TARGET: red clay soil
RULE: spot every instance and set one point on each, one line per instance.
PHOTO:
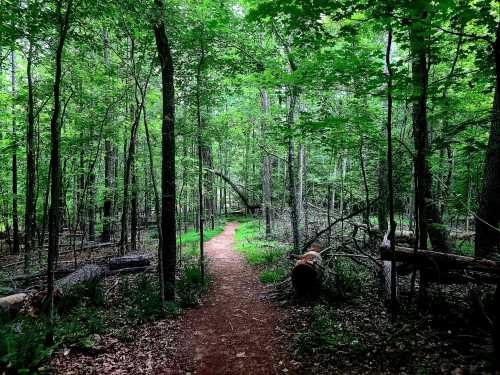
(234, 332)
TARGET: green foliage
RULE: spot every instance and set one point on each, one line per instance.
(22, 346)
(142, 298)
(189, 286)
(273, 275)
(263, 253)
(343, 281)
(464, 248)
(256, 251)
(86, 293)
(192, 237)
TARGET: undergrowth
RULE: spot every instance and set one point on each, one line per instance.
(84, 312)
(327, 334)
(267, 255)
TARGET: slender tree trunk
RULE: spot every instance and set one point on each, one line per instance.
(134, 212)
(201, 216)
(55, 132)
(29, 215)
(300, 182)
(266, 166)
(293, 199)
(91, 206)
(108, 166)
(15, 215)
(382, 176)
(168, 248)
(390, 181)
(430, 219)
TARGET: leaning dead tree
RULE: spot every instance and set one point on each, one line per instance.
(252, 207)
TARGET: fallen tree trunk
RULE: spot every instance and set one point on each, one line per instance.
(12, 303)
(128, 261)
(409, 236)
(87, 273)
(440, 262)
(307, 273)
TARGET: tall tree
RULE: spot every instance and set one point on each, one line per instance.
(488, 216)
(63, 23)
(429, 214)
(168, 245)
(15, 214)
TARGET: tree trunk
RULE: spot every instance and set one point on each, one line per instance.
(488, 216)
(168, 248)
(300, 182)
(15, 216)
(430, 218)
(55, 133)
(306, 274)
(293, 199)
(91, 206)
(29, 214)
(108, 166)
(201, 213)
(134, 213)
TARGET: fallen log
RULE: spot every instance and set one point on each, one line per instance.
(12, 303)
(128, 261)
(409, 236)
(87, 273)
(440, 262)
(307, 273)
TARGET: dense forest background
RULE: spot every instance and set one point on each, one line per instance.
(339, 124)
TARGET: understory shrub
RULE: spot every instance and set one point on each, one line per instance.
(325, 334)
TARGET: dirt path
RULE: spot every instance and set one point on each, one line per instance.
(235, 331)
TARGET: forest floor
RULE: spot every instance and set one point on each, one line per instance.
(234, 330)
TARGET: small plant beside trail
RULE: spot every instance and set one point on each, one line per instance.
(269, 256)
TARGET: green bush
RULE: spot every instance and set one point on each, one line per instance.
(77, 328)
(344, 282)
(273, 275)
(86, 293)
(142, 298)
(22, 346)
(189, 285)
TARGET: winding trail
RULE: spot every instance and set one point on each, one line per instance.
(235, 331)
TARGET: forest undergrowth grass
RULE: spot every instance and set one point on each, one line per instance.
(267, 255)
(92, 309)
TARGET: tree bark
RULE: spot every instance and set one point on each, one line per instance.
(201, 213)
(292, 188)
(168, 248)
(266, 165)
(430, 219)
(15, 215)
(488, 216)
(108, 166)
(29, 215)
(55, 133)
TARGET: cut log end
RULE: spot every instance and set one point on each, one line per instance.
(306, 274)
